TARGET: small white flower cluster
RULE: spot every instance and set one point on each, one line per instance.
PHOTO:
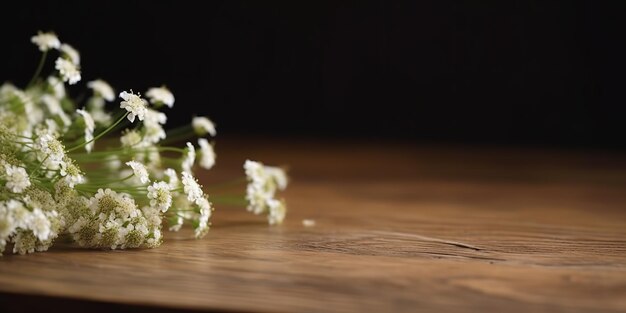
(48, 138)
(263, 182)
(26, 224)
(68, 63)
(113, 220)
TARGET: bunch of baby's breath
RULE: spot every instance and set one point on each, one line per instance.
(59, 177)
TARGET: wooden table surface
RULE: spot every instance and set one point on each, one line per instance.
(398, 228)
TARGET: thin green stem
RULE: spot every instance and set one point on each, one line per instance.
(42, 61)
(100, 134)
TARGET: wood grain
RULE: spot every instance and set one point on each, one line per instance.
(398, 228)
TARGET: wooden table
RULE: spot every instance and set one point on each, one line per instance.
(398, 228)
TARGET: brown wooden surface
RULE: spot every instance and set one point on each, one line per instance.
(399, 228)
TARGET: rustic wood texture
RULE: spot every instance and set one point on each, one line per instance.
(398, 228)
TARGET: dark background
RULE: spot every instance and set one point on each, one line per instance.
(504, 72)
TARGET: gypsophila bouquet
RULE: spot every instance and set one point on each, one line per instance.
(62, 172)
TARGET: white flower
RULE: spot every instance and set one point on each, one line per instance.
(189, 158)
(154, 117)
(203, 219)
(7, 222)
(202, 228)
(133, 104)
(53, 104)
(17, 178)
(161, 95)
(21, 216)
(130, 138)
(108, 200)
(278, 175)
(153, 133)
(90, 126)
(46, 41)
(71, 53)
(68, 70)
(52, 149)
(203, 125)
(256, 193)
(71, 174)
(277, 211)
(308, 222)
(207, 154)
(89, 122)
(51, 126)
(139, 171)
(54, 107)
(40, 225)
(254, 171)
(160, 196)
(172, 178)
(102, 89)
(263, 181)
(191, 187)
(58, 89)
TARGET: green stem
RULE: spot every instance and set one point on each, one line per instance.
(39, 68)
(100, 134)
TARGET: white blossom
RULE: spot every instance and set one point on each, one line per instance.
(89, 122)
(7, 222)
(263, 182)
(203, 125)
(254, 171)
(139, 170)
(46, 41)
(160, 95)
(160, 196)
(16, 177)
(102, 89)
(172, 178)
(71, 53)
(130, 138)
(52, 149)
(21, 216)
(71, 174)
(40, 225)
(54, 108)
(133, 104)
(203, 219)
(153, 131)
(68, 70)
(207, 154)
(278, 175)
(189, 158)
(154, 117)
(277, 211)
(191, 187)
(46, 193)
(256, 194)
(57, 86)
(90, 126)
